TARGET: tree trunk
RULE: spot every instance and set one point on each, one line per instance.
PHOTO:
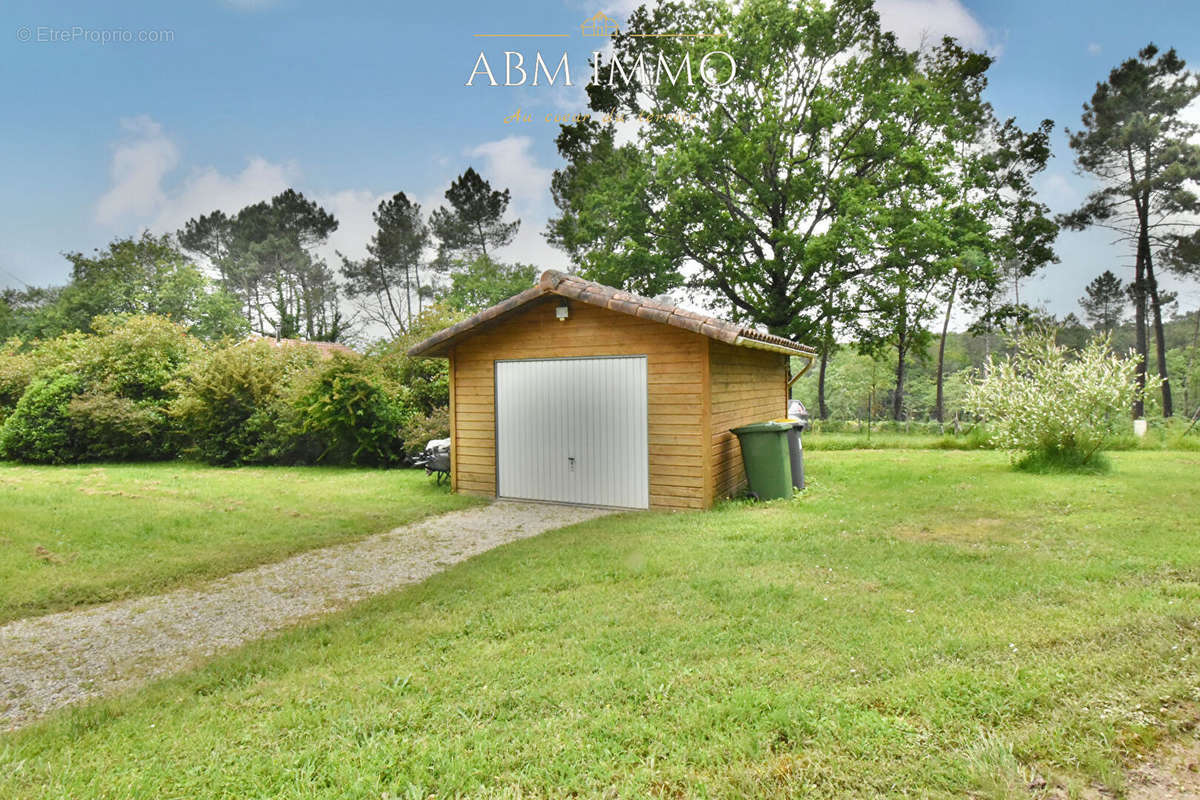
(826, 351)
(1159, 336)
(305, 298)
(1188, 397)
(1139, 313)
(939, 409)
(898, 395)
(901, 352)
(870, 407)
(987, 333)
(395, 313)
(407, 298)
(482, 240)
(822, 408)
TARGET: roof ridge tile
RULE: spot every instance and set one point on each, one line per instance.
(618, 300)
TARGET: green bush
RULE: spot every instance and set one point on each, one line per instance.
(974, 438)
(257, 403)
(100, 396)
(39, 429)
(140, 387)
(21, 362)
(135, 357)
(420, 428)
(17, 369)
(1053, 411)
(352, 413)
(427, 380)
(232, 404)
(109, 427)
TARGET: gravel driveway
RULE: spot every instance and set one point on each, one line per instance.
(55, 660)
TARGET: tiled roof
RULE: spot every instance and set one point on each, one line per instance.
(327, 348)
(557, 283)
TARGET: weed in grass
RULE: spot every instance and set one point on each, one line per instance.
(996, 772)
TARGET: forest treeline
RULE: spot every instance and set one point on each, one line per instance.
(259, 272)
(859, 385)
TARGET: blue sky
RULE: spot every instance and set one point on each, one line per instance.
(353, 101)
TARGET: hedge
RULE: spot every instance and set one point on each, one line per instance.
(141, 388)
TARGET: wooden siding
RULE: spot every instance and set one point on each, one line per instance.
(748, 385)
(453, 433)
(675, 362)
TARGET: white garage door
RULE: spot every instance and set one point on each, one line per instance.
(573, 430)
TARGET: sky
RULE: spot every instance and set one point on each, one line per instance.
(124, 116)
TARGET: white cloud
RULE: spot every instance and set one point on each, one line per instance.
(915, 21)
(620, 9)
(508, 163)
(140, 191)
(530, 246)
(206, 189)
(1094, 48)
(1060, 191)
(139, 165)
(1191, 113)
(353, 209)
(911, 20)
(143, 192)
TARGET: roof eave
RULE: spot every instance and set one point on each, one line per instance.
(438, 345)
(749, 341)
(570, 287)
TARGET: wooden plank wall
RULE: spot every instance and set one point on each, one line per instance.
(748, 385)
(675, 363)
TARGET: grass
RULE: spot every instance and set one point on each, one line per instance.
(72, 536)
(1064, 461)
(920, 624)
(1175, 434)
(894, 440)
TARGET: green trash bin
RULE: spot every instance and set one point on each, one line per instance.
(767, 459)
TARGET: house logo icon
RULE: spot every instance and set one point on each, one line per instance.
(599, 25)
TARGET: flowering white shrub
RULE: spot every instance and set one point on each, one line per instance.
(1046, 402)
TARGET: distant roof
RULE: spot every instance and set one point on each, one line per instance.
(557, 283)
(327, 348)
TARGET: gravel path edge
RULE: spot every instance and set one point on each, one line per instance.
(56, 660)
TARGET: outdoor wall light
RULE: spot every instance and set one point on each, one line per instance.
(562, 312)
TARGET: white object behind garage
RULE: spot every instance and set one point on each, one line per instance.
(573, 430)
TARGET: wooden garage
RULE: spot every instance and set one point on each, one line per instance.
(576, 392)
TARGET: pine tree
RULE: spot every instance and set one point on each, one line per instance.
(1103, 302)
(473, 222)
(1135, 140)
(385, 281)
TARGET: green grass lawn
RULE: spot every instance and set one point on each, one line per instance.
(1175, 435)
(80, 535)
(892, 440)
(919, 624)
